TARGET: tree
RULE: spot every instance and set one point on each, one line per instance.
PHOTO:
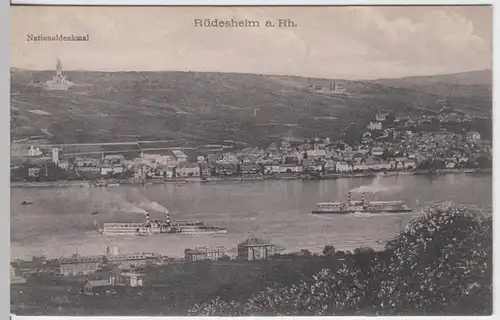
(431, 164)
(305, 252)
(262, 168)
(329, 250)
(484, 162)
(437, 260)
(200, 167)
(217, 307)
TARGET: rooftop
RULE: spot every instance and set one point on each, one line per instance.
(205, 249)
(98, 283)
(254, 241)
(316, 153)
(179, 153)
(130, 274)
(81, 259)
(129, 256)
(113, 156)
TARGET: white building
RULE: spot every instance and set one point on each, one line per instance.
(113, 159)
(201, 159)
(343, 166)
(473, 136)
(375, 125)
(117, 169)
(360, 166)
(228, 158)
(80, 162)
(381, 115)
(290, 168)
(188, 170)
(126, 279)
(112, 251)
(379, 165)
(34, 172)
(106, 170)
(55, 155)
(272, 168)
(180, 156)
(377, 151)
(316, 154)
(158, 159)
(64, 165)
(410, 164)
(337, 87)
(34, 152)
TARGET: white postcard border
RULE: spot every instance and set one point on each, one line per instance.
(5, 85)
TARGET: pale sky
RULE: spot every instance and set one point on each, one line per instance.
(330, 42)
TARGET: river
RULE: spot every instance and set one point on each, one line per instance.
(60, 223)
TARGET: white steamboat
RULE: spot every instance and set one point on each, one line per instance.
(363, 205)
(152, 227)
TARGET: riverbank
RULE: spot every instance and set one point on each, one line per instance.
(268, 286)
(286, 176)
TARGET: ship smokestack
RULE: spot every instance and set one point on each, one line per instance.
(167, 218)
(348, 197)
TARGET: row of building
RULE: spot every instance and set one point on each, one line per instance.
(116, 279)
(84, 265)
(252, 248)
(388, 143)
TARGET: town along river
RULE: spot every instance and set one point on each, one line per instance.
(61, 223)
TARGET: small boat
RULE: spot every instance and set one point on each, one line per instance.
(95, 213)
(24, 203)
(113, 184)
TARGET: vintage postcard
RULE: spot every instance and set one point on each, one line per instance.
(251, 161)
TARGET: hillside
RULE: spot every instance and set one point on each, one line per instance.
(472, 78)
(473, 83)
(194, 107)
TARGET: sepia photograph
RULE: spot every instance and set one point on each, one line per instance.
(251, 160)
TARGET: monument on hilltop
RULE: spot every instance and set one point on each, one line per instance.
(59, 82)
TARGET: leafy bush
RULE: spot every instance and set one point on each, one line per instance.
(329, 250)
(437, 262)
(440, 264)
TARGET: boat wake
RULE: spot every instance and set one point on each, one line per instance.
(328, 216)
(385, 214)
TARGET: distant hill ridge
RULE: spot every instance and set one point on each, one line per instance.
(470, 78)
(477, 77)
(205, 107)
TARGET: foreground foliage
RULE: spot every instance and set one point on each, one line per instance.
(440, 264)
